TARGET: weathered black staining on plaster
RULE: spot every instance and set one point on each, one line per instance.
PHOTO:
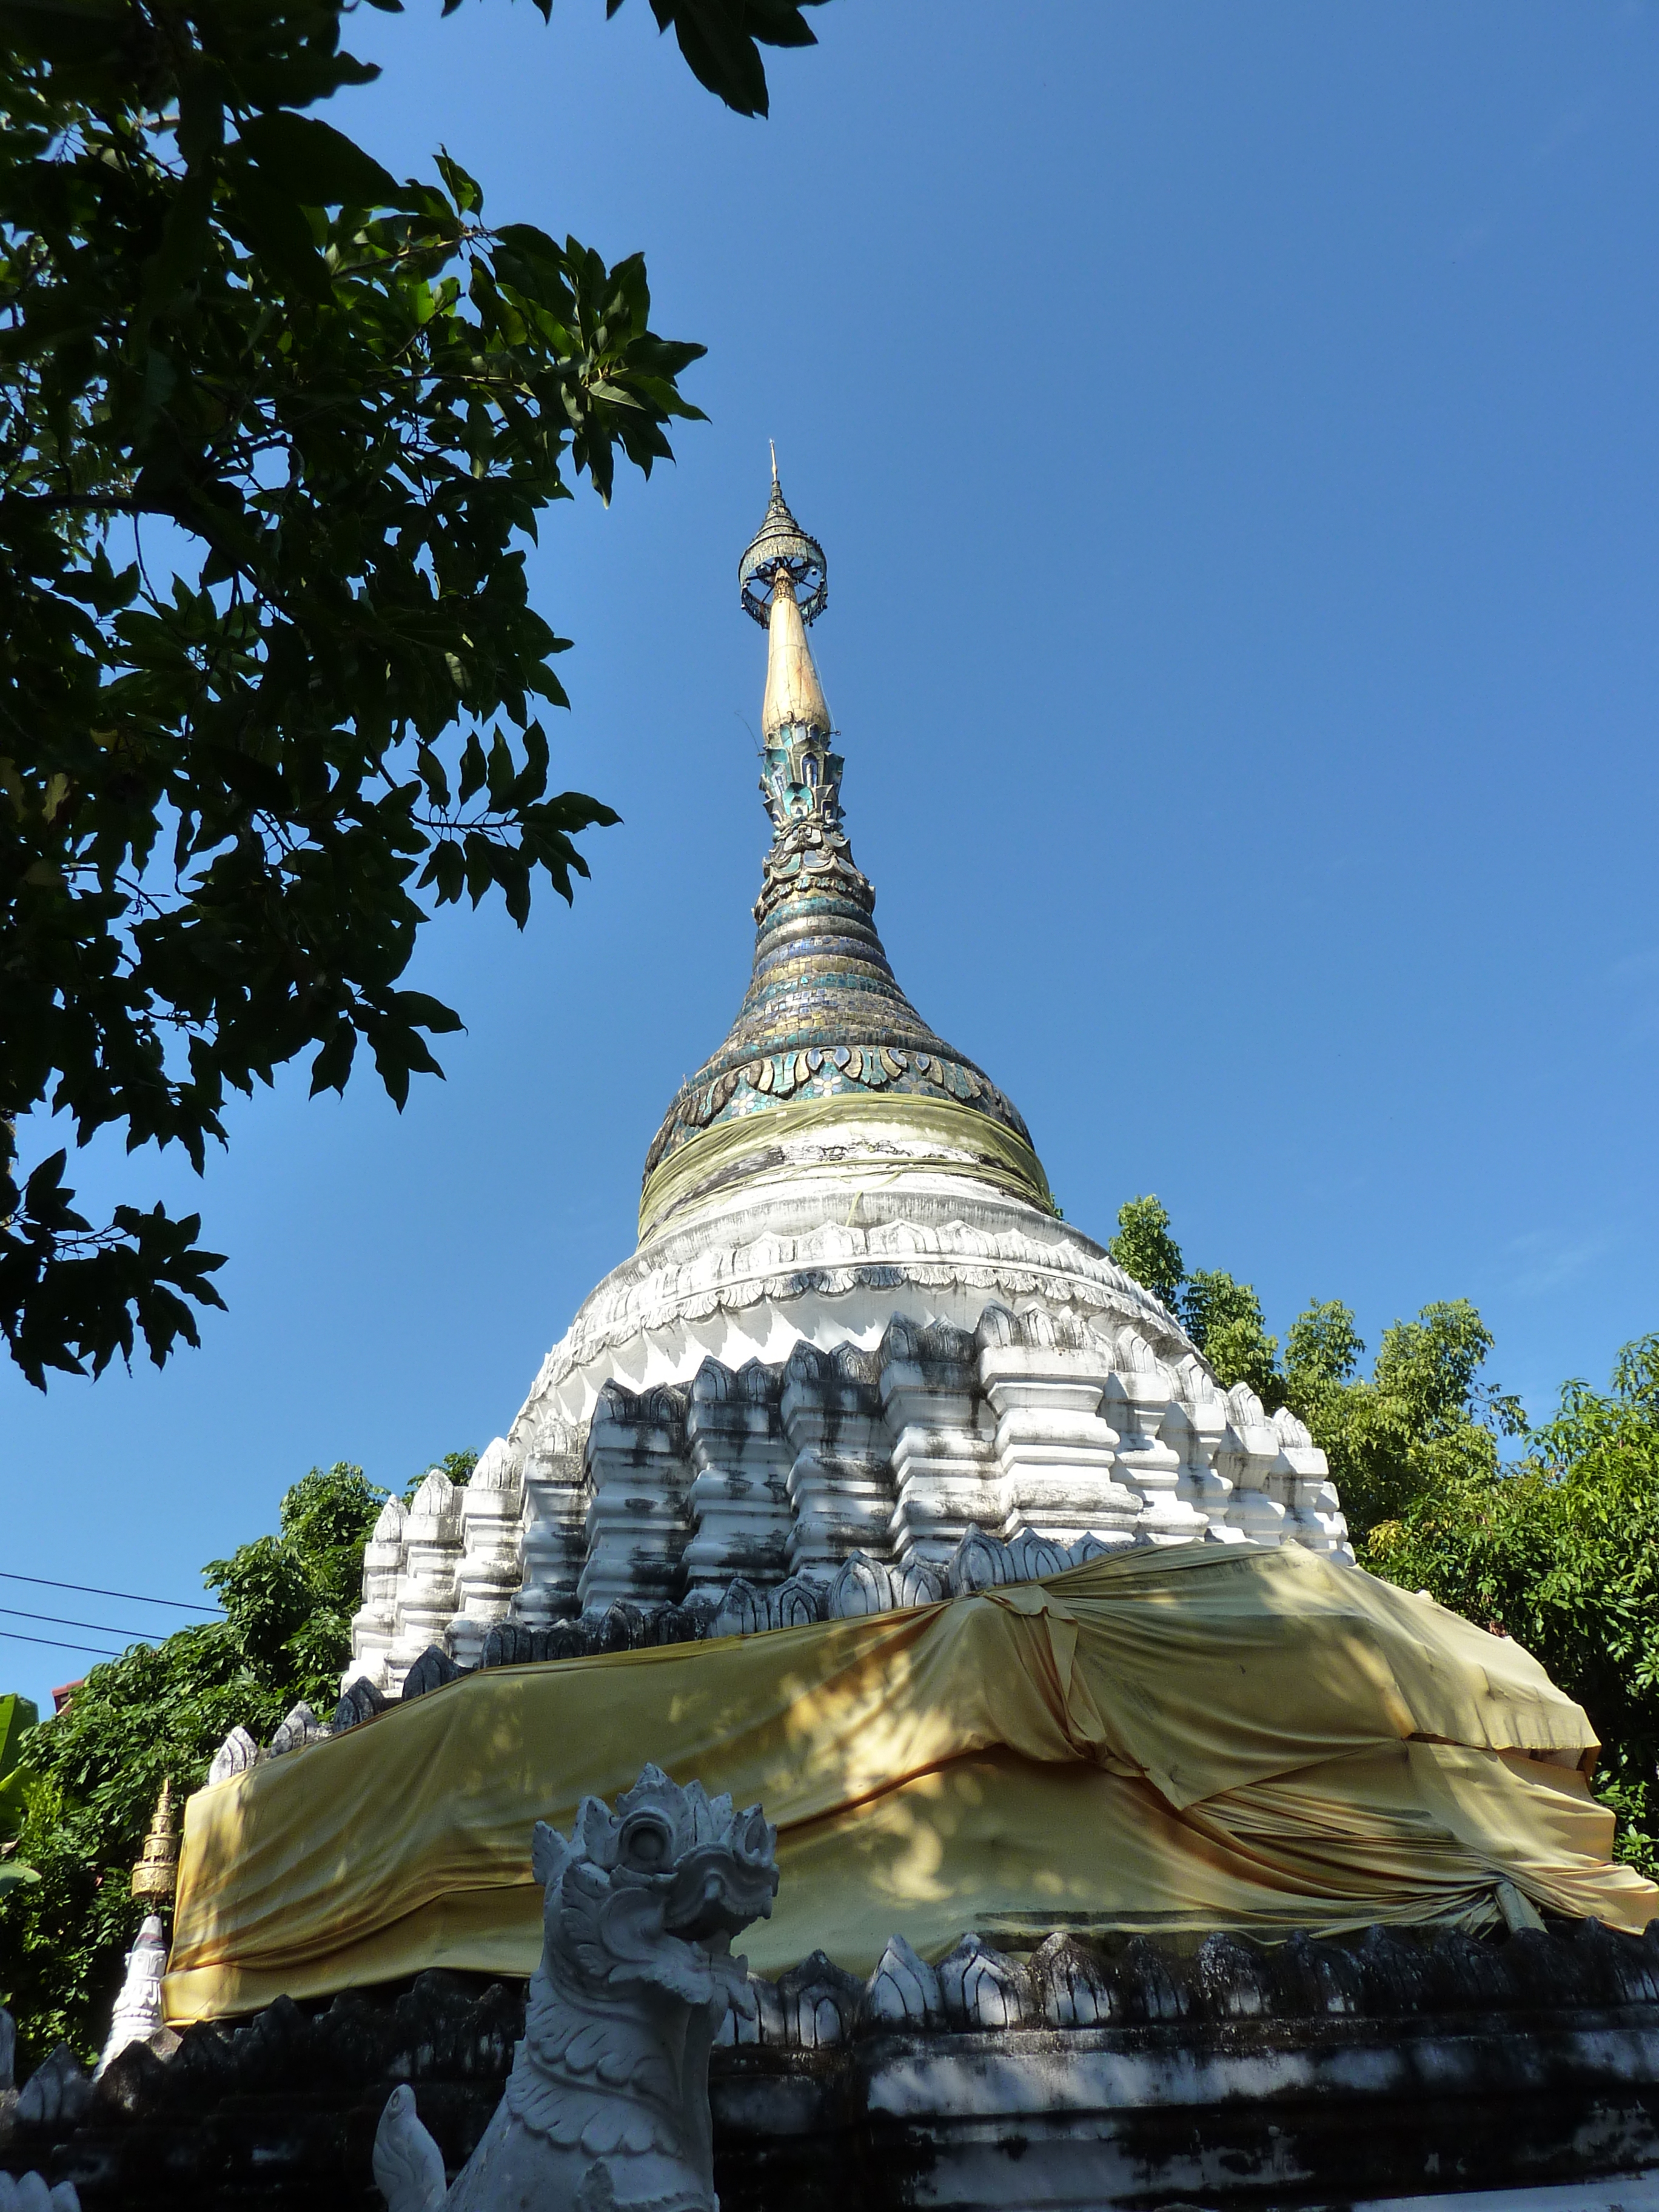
(1225, 2073)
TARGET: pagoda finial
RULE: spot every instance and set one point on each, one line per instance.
(781, 548)
(823, 1024)
(784, 584)
(155, 1877)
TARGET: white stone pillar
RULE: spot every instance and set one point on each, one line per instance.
(639, 1512)
(944, 1463)
(489, 1570)
(138, 2007)
(1144, 1388)
(1314, 1511)
(1196, 1427)
(427, 1594)
(1257, 1462)
(1054, 1450)
(740, 1491)
(553, 1539)
(375, 1622)
(841, 1475)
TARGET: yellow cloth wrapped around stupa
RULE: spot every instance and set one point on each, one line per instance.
(1184, 1739)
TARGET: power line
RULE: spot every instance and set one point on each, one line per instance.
(87, 1590)
(58, 1620)
(58, 1644)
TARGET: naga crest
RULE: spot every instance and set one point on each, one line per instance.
(607, 2103)
(655, 1891)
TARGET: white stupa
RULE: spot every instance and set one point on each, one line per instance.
(855, 1330)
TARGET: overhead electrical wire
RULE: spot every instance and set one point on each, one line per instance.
(58, 1644)
(134, 1597)
(88, 1590)
(61, 1620)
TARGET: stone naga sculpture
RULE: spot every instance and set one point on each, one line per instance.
(607, 2104)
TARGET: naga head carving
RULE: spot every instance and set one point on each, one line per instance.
(655, 1891)
(607, 2104)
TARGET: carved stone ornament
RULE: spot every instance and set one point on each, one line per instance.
(57, 2094)
(904, 1990)
(359, 1701)
(235, 1756)
(607, 2104)
(137, 2015)
(300, 1727)
(28, 2192)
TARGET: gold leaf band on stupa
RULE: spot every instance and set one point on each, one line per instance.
(961, 1141)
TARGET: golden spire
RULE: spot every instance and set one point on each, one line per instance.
(794, 697)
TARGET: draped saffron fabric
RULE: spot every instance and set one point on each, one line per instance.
(1190, 1738)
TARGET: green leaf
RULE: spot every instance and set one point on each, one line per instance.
(446, 869)
(720, 55)
(272, 225)
(332, 1064)
(502, 772)
(475, 769)
(465, 191)
(432, 774)
(314, 164)
(422, 1012)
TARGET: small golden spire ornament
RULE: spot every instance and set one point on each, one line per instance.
(155, 1877)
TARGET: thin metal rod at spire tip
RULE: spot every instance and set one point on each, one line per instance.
(773, 443)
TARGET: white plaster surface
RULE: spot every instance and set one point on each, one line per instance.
(1079, 1407)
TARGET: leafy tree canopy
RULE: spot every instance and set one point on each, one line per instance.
(1420, 1418)
(1562, 1553)
(1145, 1248)
(86, 1781)
(1224, 1318)
(276, 430)
(1225, 1321)
(1421, 1421)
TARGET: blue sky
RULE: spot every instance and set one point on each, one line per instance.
(1233, 432)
